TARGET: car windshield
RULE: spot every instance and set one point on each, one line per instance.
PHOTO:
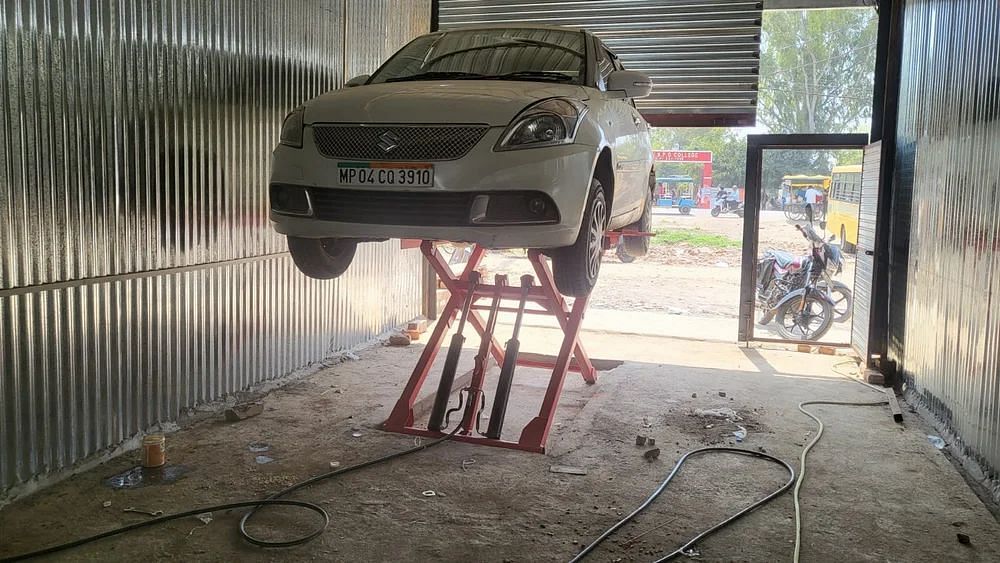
(551, 55)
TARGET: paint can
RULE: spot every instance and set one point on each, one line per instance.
(154, 450)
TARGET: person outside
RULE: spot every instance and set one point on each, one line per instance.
(813, 196)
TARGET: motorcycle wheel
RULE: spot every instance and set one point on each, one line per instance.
(811, 323)
(843, 300)
(739, 213)
(715, 211)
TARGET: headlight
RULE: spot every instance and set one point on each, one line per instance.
(547, 123)
(291, 128)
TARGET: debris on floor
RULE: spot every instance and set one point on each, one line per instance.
(205, 517)
(334, 464)
(244, 411)
(964, 539)
(652, 454)
(936, 441)
(263, 459)
(258, 447)
(722, 394)
(740, 434)
(415, 328)
(140, 476)
(722, 412)
(640, 440)
(399, 339)
(106, 504)
(567, 469)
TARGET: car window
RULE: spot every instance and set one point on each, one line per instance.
(614, 59)
(604, 67)
(553, 55)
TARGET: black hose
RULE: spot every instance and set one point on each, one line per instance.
(791, 480)
(273, 500)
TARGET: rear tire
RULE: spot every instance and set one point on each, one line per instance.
(623, 255)
(843, 300)
(846, 246)
(575, 268)
(716, 210)
(685, 210)
(322, 258)
(637, 247)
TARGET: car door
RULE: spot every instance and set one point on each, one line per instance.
(631, 147)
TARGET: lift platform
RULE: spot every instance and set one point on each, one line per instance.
(572, 356)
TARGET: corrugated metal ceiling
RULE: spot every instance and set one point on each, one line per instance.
(703, 55)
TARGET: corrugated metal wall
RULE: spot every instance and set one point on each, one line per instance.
(949, 160)
(138, 273)
(864, 268)
(703, 55)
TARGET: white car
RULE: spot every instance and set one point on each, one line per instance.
(514, 137)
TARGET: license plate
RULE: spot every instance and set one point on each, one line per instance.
(397, 174)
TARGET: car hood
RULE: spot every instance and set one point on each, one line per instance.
(494, 102)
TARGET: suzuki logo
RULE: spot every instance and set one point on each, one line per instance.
(388, 141)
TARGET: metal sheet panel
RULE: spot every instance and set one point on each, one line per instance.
(703, 55)
(864, 267)
(948, 163)
(138, 273)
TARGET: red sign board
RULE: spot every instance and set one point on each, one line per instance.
(682, 156)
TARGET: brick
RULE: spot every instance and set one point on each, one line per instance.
(874, 377)
(828, 350)
(805, 348)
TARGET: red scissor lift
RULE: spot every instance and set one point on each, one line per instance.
(572, 356)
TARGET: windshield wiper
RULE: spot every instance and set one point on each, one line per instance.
(533, 75)
(437, 75)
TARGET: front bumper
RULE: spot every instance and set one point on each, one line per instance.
(560, 175)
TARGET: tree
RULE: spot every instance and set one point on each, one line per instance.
(728, 146)
(817, 70)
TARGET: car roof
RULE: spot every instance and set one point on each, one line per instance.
(517, 26)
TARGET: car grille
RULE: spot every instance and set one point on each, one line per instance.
(391, 207)
(394, 142)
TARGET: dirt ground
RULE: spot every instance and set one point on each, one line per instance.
(700, 286)
(875, 490)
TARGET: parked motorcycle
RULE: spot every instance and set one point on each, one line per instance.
(724, 205)
(798, 292)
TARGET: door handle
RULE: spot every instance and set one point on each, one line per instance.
(869, 253)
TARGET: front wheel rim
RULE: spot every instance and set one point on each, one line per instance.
(596, 237)
(806, 322)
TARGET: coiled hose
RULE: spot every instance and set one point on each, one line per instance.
(663, 485)
(255, 505)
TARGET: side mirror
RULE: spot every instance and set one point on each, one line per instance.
(630, 83)
(357, 81)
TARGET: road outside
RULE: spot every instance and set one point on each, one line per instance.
(689, 284)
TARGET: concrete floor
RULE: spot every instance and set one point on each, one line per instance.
(876, 490)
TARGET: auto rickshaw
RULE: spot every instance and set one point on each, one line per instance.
(676, 191)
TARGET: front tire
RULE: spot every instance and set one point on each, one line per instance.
(322, 258)
(575, 268)
(811, 323)
(685, 210)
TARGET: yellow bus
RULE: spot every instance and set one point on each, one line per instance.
(844, 205)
